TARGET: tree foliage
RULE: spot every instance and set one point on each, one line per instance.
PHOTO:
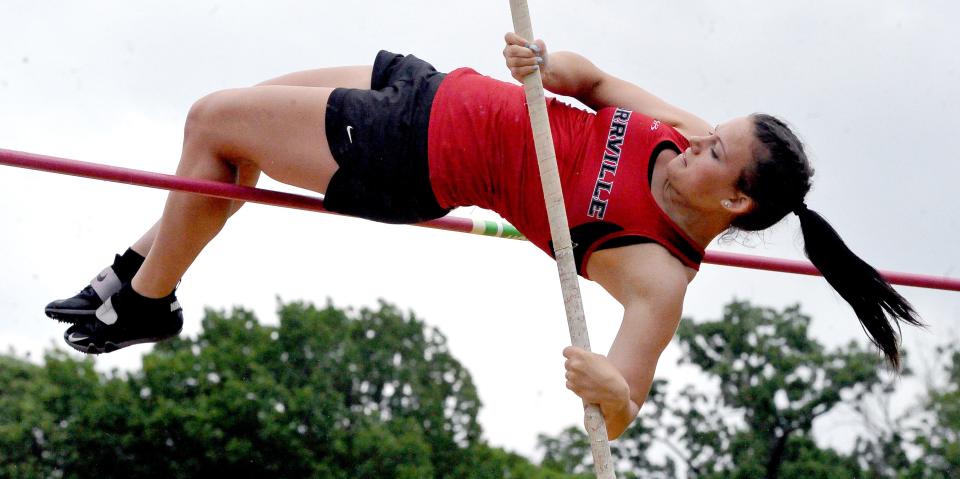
(770, 380)
(327, 393)
(336, 393)
(776, 379)
(938, 436)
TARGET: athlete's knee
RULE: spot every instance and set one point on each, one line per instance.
(211, 115)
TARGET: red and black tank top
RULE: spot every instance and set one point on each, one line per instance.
(481, 152)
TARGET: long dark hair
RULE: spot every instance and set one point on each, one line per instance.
(778, 182)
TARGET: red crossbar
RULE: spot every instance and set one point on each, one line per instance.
(451, 223)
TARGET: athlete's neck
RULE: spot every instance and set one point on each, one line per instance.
(700, 227)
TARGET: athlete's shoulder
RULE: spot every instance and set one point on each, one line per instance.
(646, 269)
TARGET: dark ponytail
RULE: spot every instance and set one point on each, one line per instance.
(778, 183)
(870, 296)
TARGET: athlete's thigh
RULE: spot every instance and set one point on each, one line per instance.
(281, 129)
(335, 77)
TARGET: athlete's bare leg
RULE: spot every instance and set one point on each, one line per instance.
(232, 136)
(344, 77)
(336, 77)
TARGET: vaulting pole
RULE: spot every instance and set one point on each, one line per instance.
(560, 233)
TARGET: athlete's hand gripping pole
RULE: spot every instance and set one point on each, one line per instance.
(560, 233)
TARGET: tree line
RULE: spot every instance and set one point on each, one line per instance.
(338, 393)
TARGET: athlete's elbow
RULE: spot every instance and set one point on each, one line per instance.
(619, 421)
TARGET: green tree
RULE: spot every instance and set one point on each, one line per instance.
(774, 381)
(777, 380)
(938, 436)
(327, 393)
(881, 449)
(570, 451)
(20, 446)
(928, 431)
(493, 463)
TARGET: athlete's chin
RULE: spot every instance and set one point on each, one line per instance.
(675, 168)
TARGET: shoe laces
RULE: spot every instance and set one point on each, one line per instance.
(88, 291)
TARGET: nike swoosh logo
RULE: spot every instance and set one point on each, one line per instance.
(74, 337)
(349, 136)
(102, 276)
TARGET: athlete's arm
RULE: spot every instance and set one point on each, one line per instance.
(564, 74)
(570, 74)
(650, 284)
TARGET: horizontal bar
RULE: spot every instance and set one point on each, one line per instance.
(451, 223)
(224, 190)
(804, 267)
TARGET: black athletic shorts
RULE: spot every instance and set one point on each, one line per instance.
(379, 139)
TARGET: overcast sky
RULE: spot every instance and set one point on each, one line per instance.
(871, 86)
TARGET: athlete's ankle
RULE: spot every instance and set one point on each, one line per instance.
(137, 301)
(138, 286)
(127, 264)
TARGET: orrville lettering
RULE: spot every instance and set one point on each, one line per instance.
(608, 166)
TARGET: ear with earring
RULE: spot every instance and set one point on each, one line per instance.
(727, 203)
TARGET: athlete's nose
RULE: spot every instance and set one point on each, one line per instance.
(696, 143)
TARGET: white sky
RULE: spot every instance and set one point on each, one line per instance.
(869, 85)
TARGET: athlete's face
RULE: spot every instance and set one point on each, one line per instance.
(706, 174)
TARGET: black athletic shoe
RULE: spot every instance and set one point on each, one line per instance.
(84, 304)
(125, 319)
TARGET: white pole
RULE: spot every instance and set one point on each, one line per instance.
(560, 233)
